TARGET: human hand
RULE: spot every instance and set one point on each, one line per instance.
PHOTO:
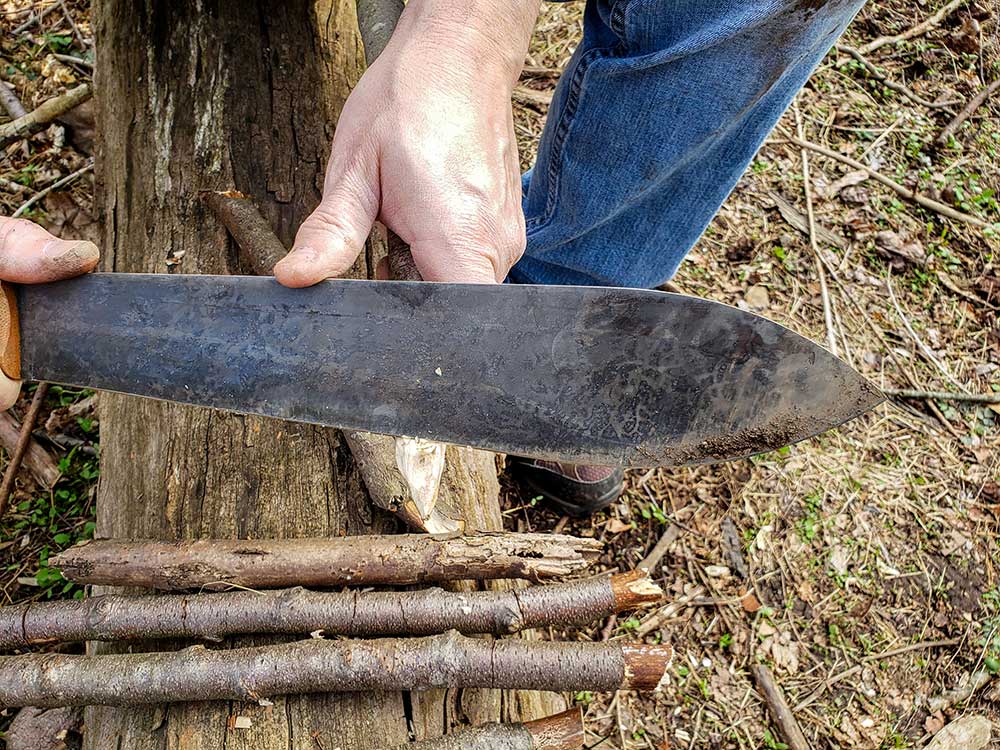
(30, 255)
(426, 145)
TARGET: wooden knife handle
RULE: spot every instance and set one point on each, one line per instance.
(10, 333)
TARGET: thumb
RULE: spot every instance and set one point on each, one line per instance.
(30, 255)
(330, 239)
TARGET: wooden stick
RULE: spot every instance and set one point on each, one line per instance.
(42, 115)
(561, 732)
(259, 246)
(36, 459)
(401, 560)
(321, 666)
(297, 611)
(650, 561)
(401, 475)
(412, 468)
(23, 441)
(952, 127)
(10, 101)
(905, 192)
(35, 18)
(976, 398)
(780, 710)
(918, 30)
(831, 337)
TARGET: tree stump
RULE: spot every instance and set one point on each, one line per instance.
(211, 95)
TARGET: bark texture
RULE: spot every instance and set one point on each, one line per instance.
(317, 665)
(561, 732)
(45, 729)
(399, 559)
(298, 611)
(221, 95)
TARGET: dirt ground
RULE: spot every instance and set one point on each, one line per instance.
(859, 567)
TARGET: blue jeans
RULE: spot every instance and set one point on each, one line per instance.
(661, 109)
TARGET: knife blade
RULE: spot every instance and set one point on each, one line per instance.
(581, 374)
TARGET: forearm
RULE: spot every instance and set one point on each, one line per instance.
(491, 32)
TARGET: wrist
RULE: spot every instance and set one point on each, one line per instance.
(491, 35)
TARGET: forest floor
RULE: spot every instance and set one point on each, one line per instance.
(861, 567)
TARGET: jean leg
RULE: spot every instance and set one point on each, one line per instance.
(660, 111)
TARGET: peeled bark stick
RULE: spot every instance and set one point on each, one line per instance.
(560, 732)
(21, 447)
(298, 611)
(37, 460)
(398, 560)
(44, 114)
(321, 666)
(780, 710)
(258, 244)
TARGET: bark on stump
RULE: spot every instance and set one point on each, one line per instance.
(221, 95)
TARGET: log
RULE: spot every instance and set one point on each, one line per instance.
(316, 665)
(298, 611)
(397, 560)
(37, 460)
(232, 100)
(44, 114)
(561, 732)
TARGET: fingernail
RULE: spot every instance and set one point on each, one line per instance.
(77, 252)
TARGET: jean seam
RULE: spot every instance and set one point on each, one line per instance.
(559, 139)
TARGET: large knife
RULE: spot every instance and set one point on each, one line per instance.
(588, 375)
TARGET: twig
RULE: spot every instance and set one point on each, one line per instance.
(321, 666)
(650, 561)
(35, 18)
(918, 30)
(36, 459)
(976, 398)
(43, 114)
(23, 441)
(831, 334)
(912, 647)
(54, 186)
(781, 712)
(561, 732)
(73, 60)
(10, 102)
(72, 23)
(905, 192)
(14, 187)
(890, 84)
(297, 611)
(395, 559)
(952, 127)
(653, 621)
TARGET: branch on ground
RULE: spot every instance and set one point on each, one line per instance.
(43, 115)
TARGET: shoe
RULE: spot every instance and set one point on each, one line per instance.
(577, 491)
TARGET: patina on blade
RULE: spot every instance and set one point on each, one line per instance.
(590, 375)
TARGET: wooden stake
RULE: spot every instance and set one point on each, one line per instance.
(298, 611)
(319, 666)
(399, 560)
